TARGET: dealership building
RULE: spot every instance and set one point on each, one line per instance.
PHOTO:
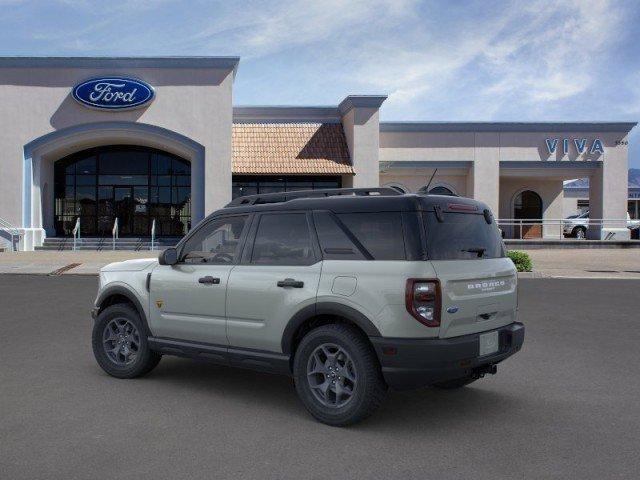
(158, 141)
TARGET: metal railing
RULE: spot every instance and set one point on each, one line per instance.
(153, 234)
(115, 233)
(13, 233)
(561, 228)
(76, 234)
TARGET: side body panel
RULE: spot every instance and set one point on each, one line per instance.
(258, 310)
(183, 308)
(376, 289)
(133, 282)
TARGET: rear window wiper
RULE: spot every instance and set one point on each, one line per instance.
(478, 250)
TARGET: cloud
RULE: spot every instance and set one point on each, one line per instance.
(264, 28)
(535, 54)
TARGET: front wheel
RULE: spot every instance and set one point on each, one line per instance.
(337, 375)
(120, 344)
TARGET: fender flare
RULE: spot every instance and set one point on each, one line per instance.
(132, 297)
(326, 308)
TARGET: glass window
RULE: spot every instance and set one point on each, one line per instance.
(334, 242)
(282, 239)
(86, 166)
(86, 180)
(217, 242)
(251, 185)
(179, 167)
(462, 236)
(380, 233)
(122, 179)
(118, 162)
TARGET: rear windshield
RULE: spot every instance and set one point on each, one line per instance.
(462, 236)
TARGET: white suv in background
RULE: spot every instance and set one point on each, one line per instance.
(577, 225)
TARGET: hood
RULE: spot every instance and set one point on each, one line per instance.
(130, 265)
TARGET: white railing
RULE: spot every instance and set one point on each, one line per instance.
(13, 233)
(153, 234)
(115, 233)
(561, 228)
(76, 234)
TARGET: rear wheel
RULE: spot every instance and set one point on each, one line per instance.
(455, 383)
(337, 375)
(120, 344)
(580, 233)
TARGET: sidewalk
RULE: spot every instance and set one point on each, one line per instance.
(46, 262)
(585, 263)
(551, 263)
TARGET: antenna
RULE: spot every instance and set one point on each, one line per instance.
(430, 180)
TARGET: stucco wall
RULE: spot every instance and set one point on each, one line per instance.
(412, 183)
(550, 192)
(193, 102)
(361, 127)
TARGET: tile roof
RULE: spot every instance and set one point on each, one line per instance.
(290, 148)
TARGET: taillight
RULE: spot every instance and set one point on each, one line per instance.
(423, 301)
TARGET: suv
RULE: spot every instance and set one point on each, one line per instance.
(577, 225)
(349, 291)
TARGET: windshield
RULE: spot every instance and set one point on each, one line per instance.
(462, 236)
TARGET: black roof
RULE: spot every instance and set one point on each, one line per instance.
(386, 201)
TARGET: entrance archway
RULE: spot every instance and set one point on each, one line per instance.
(527, 205)
(133, 184)
(41, 154)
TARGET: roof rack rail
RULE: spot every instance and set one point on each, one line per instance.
(329, 192)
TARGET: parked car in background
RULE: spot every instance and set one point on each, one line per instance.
(576, 225)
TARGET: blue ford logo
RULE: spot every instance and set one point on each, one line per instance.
(113, 93)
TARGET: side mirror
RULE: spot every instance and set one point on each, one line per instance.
(168, 257)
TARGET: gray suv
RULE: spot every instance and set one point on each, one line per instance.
(349, 291)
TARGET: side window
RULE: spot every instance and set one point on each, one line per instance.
(334, 242)
(282, 239)
(380, 233)
(217, 242)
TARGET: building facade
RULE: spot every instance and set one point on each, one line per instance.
(158, 142)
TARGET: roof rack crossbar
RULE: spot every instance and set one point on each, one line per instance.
(329, 192)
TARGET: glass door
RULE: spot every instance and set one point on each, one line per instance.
(140, 214)
(123, 208)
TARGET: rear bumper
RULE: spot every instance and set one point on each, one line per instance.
(422, 362)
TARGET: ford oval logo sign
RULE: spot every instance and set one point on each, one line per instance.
(113, 93)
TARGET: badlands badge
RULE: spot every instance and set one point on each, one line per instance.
(159, 303)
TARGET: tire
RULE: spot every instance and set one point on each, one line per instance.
(134, 358)
(580, 233)
(455, 383)
(352, 366)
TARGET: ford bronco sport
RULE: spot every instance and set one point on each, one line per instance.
(349, 291)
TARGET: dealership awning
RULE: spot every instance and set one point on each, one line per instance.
(290, 148)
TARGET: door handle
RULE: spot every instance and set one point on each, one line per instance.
(209, 280)
(290, 282)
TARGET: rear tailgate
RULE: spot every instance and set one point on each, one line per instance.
(478, 284)
(477, 295)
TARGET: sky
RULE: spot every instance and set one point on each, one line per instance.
(436, 60)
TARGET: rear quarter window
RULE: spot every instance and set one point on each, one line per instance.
(380, 233)
(462, 236)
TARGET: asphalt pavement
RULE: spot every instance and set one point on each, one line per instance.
(567, 406)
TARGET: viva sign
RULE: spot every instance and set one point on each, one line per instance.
(580, 144)
(113, 93)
